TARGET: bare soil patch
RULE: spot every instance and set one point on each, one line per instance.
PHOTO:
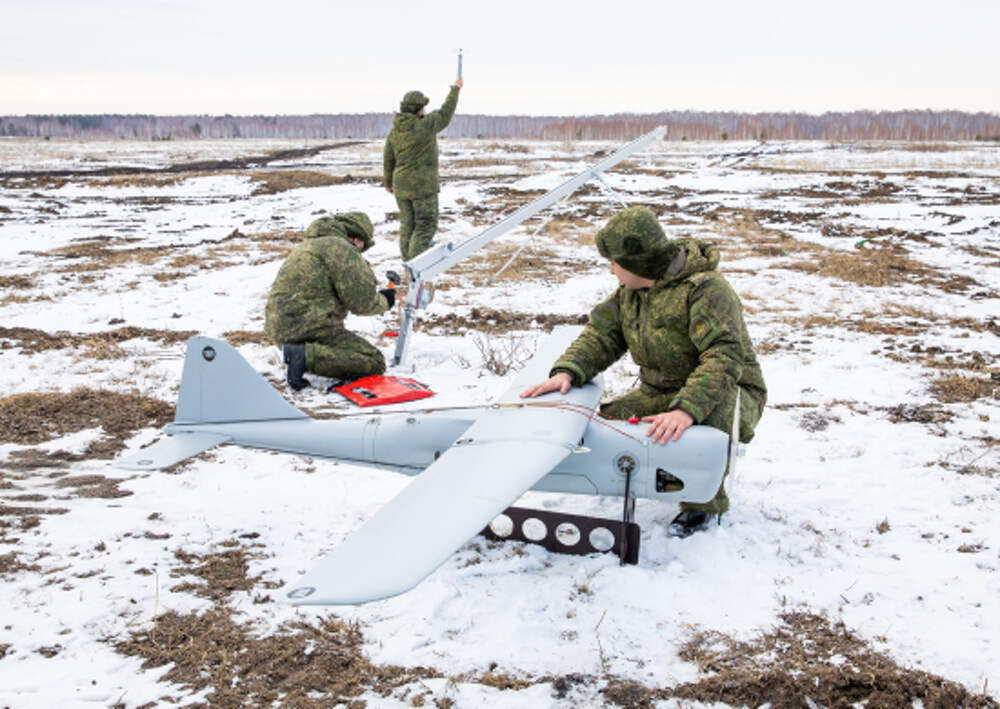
(275, 181)
(537, 262)
(16, 518)
(104, 252)
(806, 661)
(488, 320)
(238, 338)
(918, 413)
(300, 665)
(958, 388)
(93, 486)
(16, 282)
(222, 573)
(32, 418)
(880, 268)
(18, 179)
(100, 345)
(879, 258)
(11, 564)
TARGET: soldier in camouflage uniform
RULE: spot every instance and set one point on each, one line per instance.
(683, 325)
(321, 281)
(410, 167)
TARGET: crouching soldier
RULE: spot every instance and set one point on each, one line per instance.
(683, 325)
(321, 281)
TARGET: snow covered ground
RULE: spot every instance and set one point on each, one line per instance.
(867, 503)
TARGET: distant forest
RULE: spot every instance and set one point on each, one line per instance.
(683, 125)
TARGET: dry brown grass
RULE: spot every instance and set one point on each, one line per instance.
(880, 268)
(275, 181)
(877, 266)
(539, 263)
(103, 253)
(142, 179)
(805, 661)
(467, 163)
(490, 321)
(100, 345)
(570, 229)
(508, 147)
(33, 418)
(16, 282)
(957, 388)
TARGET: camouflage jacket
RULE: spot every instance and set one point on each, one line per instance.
(321, 281)
(410, 157)
(686, 333)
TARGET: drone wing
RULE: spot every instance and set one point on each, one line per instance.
(507, 450)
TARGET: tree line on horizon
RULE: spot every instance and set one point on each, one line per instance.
(682, 125)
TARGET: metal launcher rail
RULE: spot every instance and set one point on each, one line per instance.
(443, 256)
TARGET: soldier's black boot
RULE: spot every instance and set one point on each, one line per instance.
(295, 358)
(688, 522)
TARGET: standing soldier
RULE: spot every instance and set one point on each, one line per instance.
(683, 325)
(322, 280)
(410, 167)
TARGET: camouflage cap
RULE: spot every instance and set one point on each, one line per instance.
(634, 240)
(413, 101)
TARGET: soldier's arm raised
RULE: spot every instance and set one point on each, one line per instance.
(442, 117)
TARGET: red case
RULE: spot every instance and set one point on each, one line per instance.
(379, 389)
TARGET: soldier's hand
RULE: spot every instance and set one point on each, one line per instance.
(389, 294)
(668, 426)
(388, 189)
(561, 381)
(459, 83)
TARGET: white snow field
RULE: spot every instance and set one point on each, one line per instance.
(866, 507)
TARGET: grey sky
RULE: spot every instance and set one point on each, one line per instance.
(561, 57)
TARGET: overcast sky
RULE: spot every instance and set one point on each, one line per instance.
(521, 56)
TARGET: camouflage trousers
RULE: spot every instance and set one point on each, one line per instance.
(418, 220)
(343, 355)
(647, 401)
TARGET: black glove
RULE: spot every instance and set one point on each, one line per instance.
(393, 277)
(390, 295)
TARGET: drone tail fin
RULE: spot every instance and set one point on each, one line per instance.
(218, 386)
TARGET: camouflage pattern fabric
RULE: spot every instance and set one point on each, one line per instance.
(320, 282)
(634, 239)
(352, 224)
(410, 157)
(688, 337)
(343, 355)
(418, 220)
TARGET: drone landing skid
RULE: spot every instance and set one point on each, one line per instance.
(567, 534)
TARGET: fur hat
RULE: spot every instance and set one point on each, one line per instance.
(356, 224)
(413, 101)
(634, 240)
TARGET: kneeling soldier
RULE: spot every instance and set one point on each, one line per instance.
(683, 325)
(321, 281)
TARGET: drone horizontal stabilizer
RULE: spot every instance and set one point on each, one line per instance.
(507, 450)
(170, 450)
